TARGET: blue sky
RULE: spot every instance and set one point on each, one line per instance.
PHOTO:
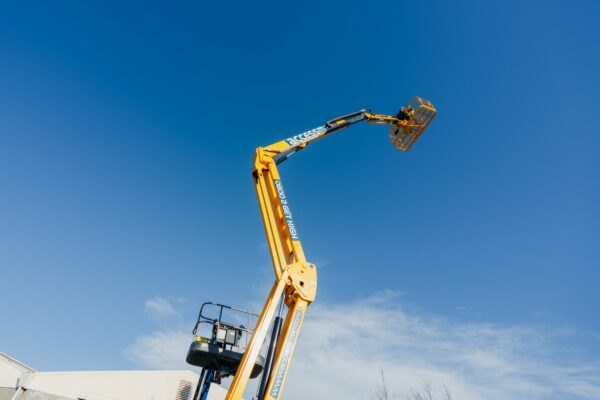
(127, 134)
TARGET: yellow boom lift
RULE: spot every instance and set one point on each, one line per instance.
(295, 283)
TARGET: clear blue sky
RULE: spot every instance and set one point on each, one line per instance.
(127, 133)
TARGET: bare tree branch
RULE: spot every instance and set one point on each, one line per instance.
(381, 391)
(447, 393)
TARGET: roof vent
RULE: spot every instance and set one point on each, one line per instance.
(184, 390)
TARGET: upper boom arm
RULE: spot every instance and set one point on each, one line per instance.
(281, 150)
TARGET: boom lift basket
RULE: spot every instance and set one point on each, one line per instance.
(404, 135)
(223, 350)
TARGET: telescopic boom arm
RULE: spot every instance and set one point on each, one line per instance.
(285, 148)
(296, 279)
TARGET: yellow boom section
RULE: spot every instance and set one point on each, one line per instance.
(295, 283)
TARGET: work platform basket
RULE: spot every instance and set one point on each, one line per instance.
(404, 135)
(219, 345)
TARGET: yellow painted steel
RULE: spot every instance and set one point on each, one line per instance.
(296, 279)
(403, 137)
(238, 386)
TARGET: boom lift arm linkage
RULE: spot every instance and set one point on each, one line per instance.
(296, 279)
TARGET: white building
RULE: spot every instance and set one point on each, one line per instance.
(20, 382)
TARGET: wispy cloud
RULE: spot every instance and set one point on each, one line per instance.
(160, 350)
(159, 308)
(343, 346)
(349, 343)
(163, 348)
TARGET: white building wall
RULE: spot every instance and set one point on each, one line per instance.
(11, 371)
(216, 392)
(116, 385)
(98, 385)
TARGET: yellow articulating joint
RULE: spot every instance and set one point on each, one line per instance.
(303, 279)
(262, 159)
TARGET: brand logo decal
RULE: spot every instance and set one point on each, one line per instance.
(287, 213)
(286, 355)
(304, 136)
